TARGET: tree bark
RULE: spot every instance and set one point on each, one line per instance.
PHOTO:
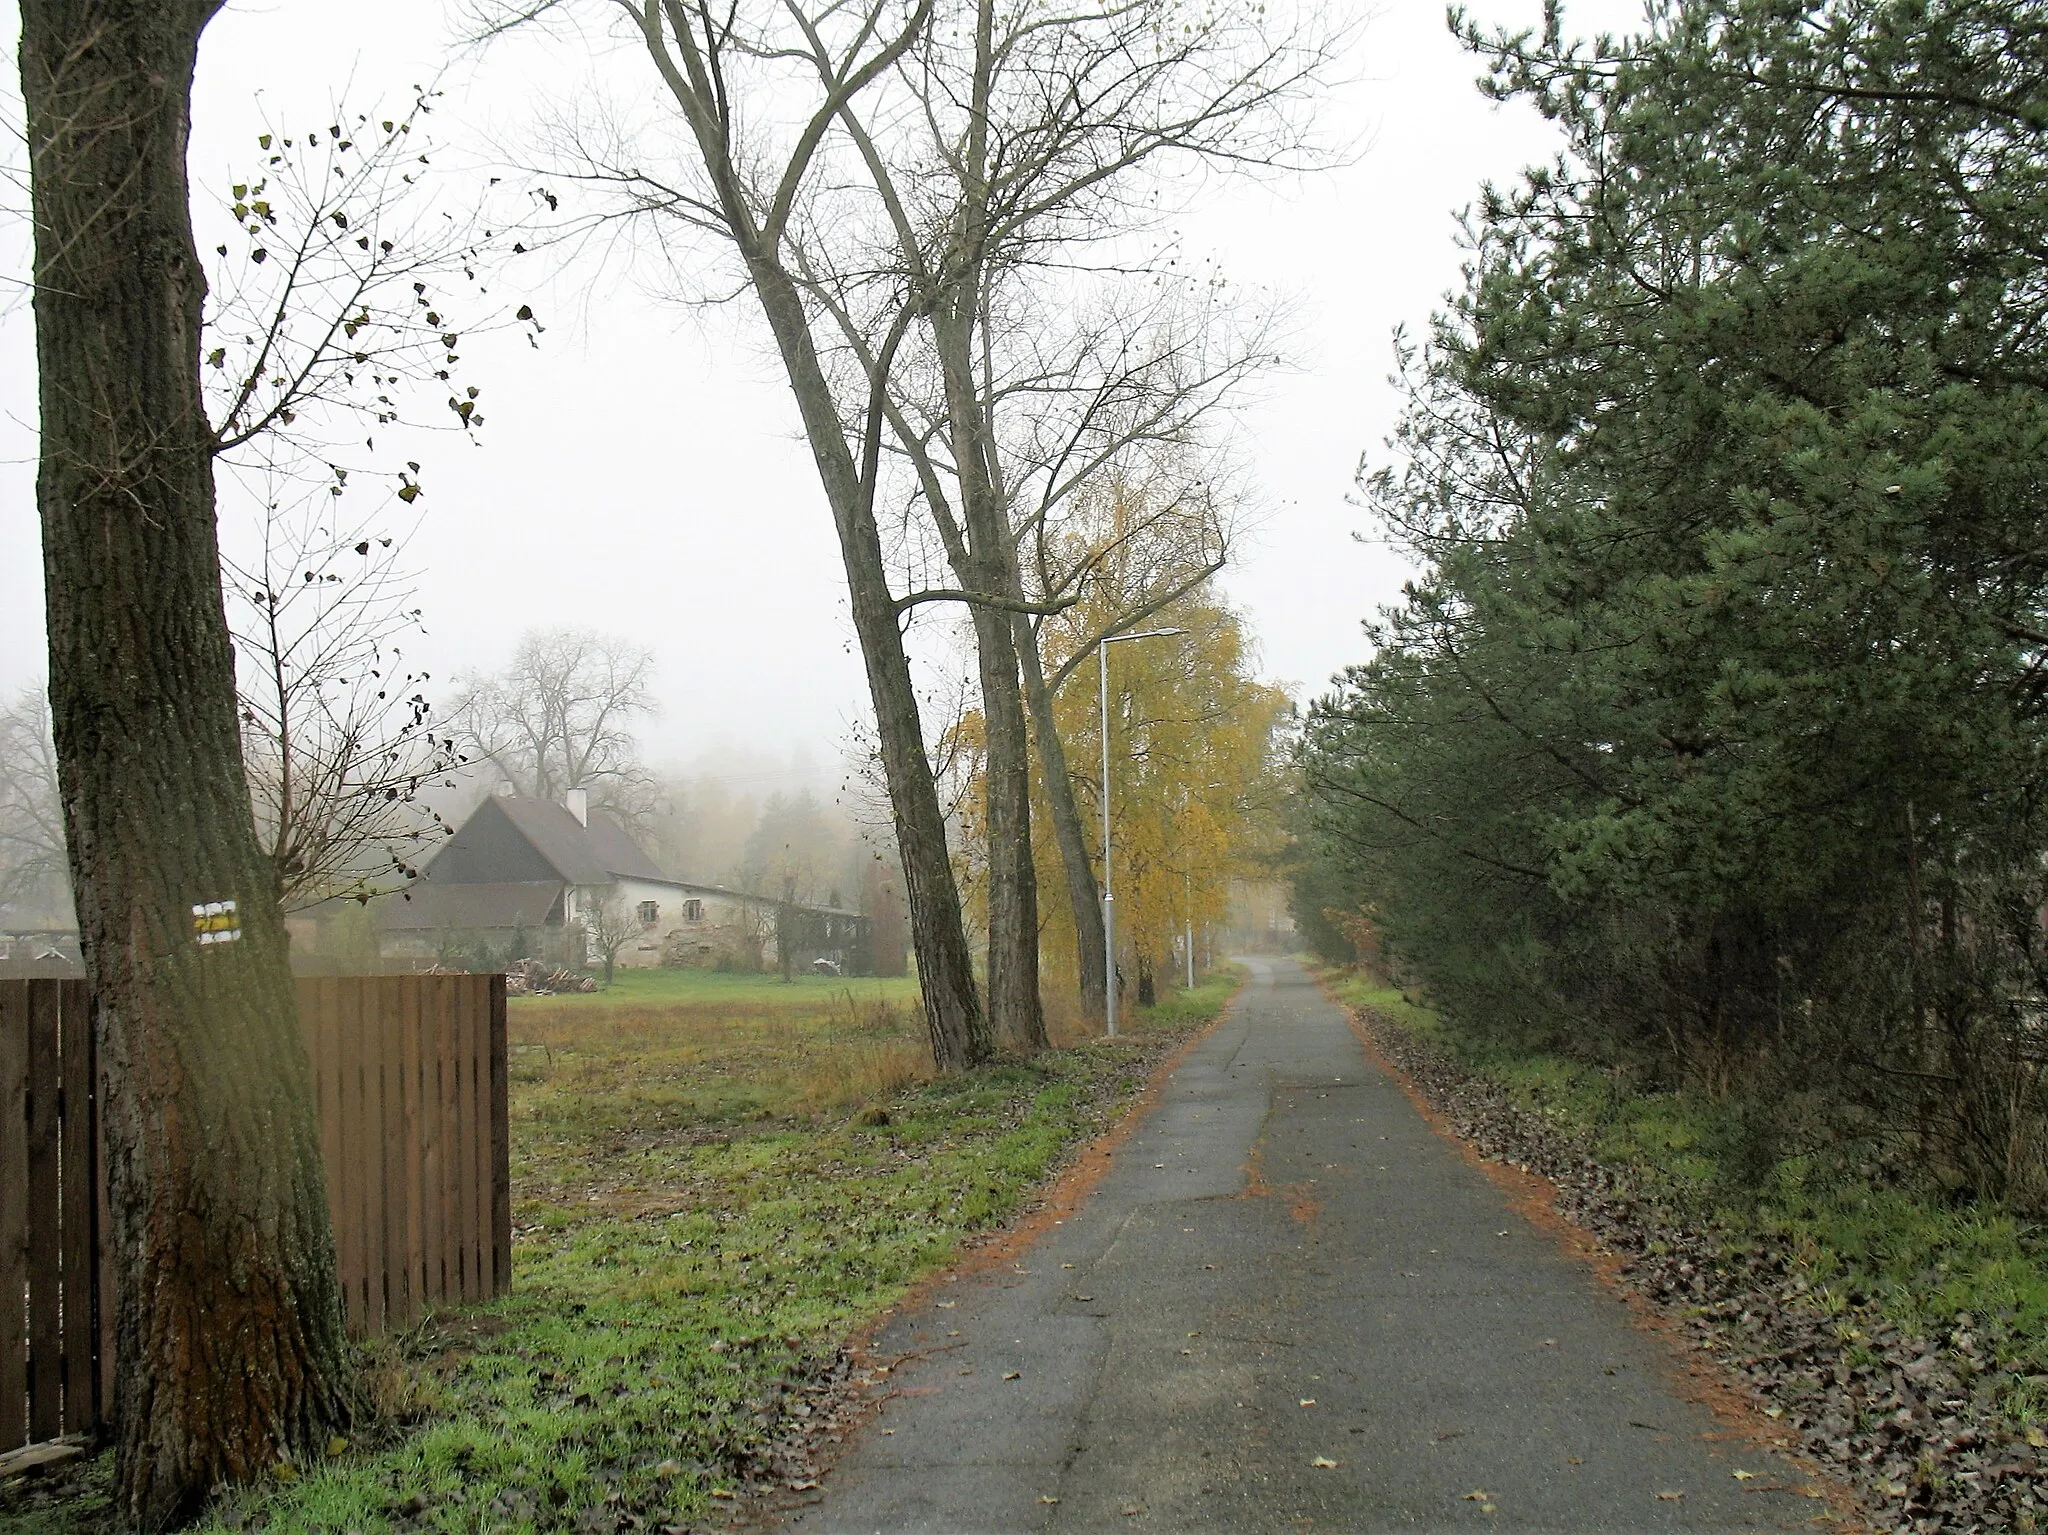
(230, 1353)
(1083, 895)
(1015, 1012)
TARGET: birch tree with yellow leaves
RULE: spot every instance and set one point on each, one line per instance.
(1194, 750)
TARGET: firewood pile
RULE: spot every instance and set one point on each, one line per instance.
(532, 978)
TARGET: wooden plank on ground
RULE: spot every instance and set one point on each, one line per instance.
(13, 1213)
(45, 1341)
(79, 1200)
(501, 1143)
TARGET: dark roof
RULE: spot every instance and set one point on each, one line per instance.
(523, 904)
(512, 838)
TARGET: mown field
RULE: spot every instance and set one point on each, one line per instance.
(715, 1179)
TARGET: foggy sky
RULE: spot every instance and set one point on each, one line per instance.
(643, 473)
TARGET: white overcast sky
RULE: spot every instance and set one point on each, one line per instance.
(642, 474)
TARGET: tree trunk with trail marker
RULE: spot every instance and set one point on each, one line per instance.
(230, 1352)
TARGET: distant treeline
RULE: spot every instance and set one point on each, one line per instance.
(1709, 743)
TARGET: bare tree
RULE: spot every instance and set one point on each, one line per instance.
(337, 734)
(743, 182)
(561, 717)
(31, 814)
(942, 155)
(607, 927)
(1014, 160)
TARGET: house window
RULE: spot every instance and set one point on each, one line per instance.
(649, 912)
(693, 911)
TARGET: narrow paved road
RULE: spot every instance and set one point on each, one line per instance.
(1286, 1267)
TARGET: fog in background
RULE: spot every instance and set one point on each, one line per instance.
(642, 472)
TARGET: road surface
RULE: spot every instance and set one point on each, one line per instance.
(1291, 1305)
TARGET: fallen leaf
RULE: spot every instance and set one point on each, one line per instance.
(2037, 1438)
(1323, 1463)
(723, 1492)
(1129, 1509)
(1669, 1497)
(1308, 1401)
(1569, 1460)
(1475, 1496)
(1010, 1374)
(668, 1468)
(1044, 1498)
(947, 1305)
(337, 1445)
(1745, 1476)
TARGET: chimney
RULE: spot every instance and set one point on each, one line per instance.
(578, 803)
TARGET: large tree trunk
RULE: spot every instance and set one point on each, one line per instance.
(954, 1020)
(985, 565)
(1015, 1011)
(1090, 957)
(229, 1350)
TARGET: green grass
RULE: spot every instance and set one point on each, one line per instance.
(766, 991)
(1927, 1264)
(712, 1188)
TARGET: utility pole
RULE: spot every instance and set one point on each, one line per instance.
(1108, 884)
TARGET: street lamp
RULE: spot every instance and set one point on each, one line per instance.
(1108, 886)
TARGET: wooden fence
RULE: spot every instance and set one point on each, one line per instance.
(409, 1072)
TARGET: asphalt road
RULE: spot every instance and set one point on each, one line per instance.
(1286, 1267)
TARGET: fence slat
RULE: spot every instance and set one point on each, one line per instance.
(103, 1225)
(411, 1083)
(389, 1030)
(480, 1147)
(45, 1342)
(369, 1039)
(501, 1142)
(408, 1013)
(14, 1275)
(435, 1138)
(470, 1227)
(79, 1198)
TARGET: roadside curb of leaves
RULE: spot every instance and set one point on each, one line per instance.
(1916, 1430)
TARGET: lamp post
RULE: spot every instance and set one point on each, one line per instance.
(1108, 885)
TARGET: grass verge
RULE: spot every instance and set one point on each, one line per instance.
(1934, 1268)
(713, 1188)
